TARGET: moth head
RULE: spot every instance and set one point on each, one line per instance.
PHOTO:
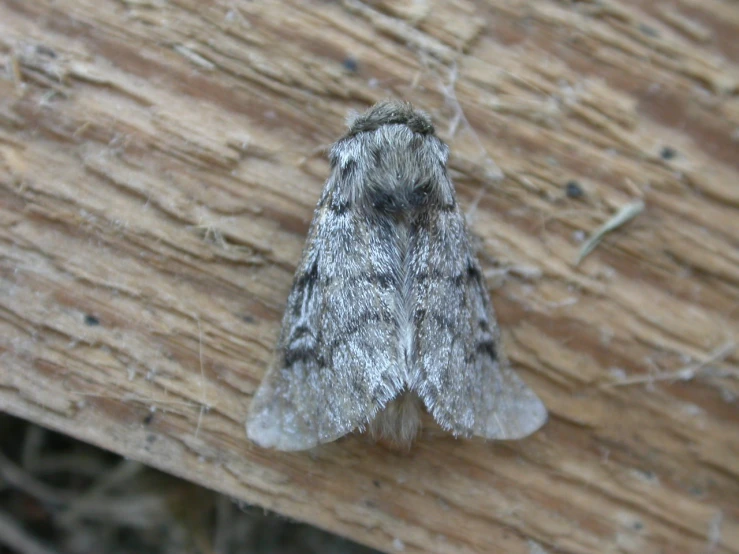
(390, 112)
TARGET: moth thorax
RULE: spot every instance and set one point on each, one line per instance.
(403, 194)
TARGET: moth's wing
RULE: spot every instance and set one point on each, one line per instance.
(461, 372)
(336, 363)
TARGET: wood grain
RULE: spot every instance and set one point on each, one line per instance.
(159, 164)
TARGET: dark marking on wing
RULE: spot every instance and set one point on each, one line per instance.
(348, 170)
(301, 353)
(384, 201)
(339, 206)
(486, 347)
(457, 279)
(473, 272)
(360, 321)
(419, 196)
(443, 320)
(301, 331)
(304, 285)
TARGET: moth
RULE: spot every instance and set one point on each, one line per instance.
(388, 312)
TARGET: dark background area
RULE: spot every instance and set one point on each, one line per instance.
(60, 495)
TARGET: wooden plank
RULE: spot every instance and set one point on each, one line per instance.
(158, 168)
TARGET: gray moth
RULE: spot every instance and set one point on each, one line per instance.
(388, 312)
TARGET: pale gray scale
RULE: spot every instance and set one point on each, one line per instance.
(463, 376)
(337, 358)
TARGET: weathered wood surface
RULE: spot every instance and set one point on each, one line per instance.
(158, 169)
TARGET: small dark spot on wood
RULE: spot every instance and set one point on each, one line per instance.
(350, 64)
(150, 438)
(247, 318)
(638, 526)
(648, 30)
(45, 51)
(149, 418)
(668, 153)
(91, 320)
(574, 190)
(376, 483)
